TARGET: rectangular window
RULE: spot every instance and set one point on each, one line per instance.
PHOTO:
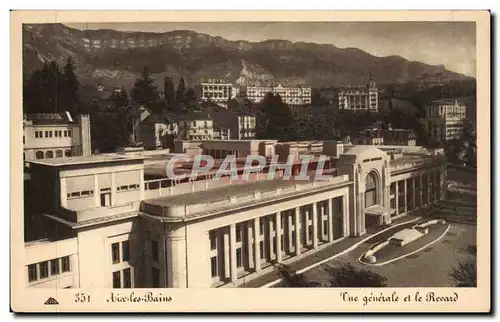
(32, 273)
(238, 233)
(65, 264)
(261, 246)
(36, 134)
(116, 279)
(115, 253)
(127, 278)
(46, 134)
(155, 273)
(239, 259)
(60, 133)
(69, 133)
(65, 133)
(56, 133)
(155, 252)
(213, 266)
(54, 267)
(125, 251)
(213, 240)
(44, 269)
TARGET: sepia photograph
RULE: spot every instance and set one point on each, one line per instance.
(339, 154)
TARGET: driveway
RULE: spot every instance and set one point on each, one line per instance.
(427, 268)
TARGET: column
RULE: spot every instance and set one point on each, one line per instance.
(297, 231)
(442, 175)
(420, 177)
(306, 226)
(113, 188)
(232, 240)
(289, 231)
(270, 233)
(256, 243)
(278, 237)
(227, 257)
(315, 224)
(330, 220)
(429, 187)
(414, 192)
(141, 183)
(397, 197)
(63, 193)
(406, 197)
(97, 191)
(176, 257)
(250, 244)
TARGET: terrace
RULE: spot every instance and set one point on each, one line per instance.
(201, 203)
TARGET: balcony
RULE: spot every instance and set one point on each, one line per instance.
(96, 212)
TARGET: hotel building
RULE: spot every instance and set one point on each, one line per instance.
(359, 98)
(118, 221)
(444, 119)
(55, 135)
(293, 96)
(216, 90)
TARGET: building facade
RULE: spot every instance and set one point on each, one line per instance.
(56, 135)
(359, 98)
(403, 137)
(444, 119)
(218, 91)
(114, 229)
(293, 96)
(197, 125)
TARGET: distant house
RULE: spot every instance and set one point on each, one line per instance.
(195, 125)
(359, 98)
(56, 135)
(156, 132)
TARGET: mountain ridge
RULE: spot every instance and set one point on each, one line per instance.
(196, 56)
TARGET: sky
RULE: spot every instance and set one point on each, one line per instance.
(452, 44)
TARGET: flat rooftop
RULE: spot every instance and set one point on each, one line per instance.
(223, 193)
(57, 162)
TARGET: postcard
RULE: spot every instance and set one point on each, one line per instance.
(239, 161)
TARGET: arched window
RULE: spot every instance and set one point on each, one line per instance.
(59, 154)
(49, 154)
(39, 155)
(371, 190)
(67, 153)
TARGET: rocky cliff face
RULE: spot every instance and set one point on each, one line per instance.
(114, 59)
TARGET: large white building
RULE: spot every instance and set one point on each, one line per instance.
(118, 221)
(359, 98)
(444, 119)
(218, 91)
(195, 125)
(56, 135)
(293, 96)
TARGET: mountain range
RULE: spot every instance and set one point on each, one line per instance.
(111, 59)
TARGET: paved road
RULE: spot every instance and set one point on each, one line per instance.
(428, 268)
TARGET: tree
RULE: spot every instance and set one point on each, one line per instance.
(42, 92)
(467, 140)
(144, 91)
(70, 87)
(120, 98)
(169, 91)
(181, 90)
(465, 274)
(276, 121)
(345, 276)
(349, 276)
(190, 96)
